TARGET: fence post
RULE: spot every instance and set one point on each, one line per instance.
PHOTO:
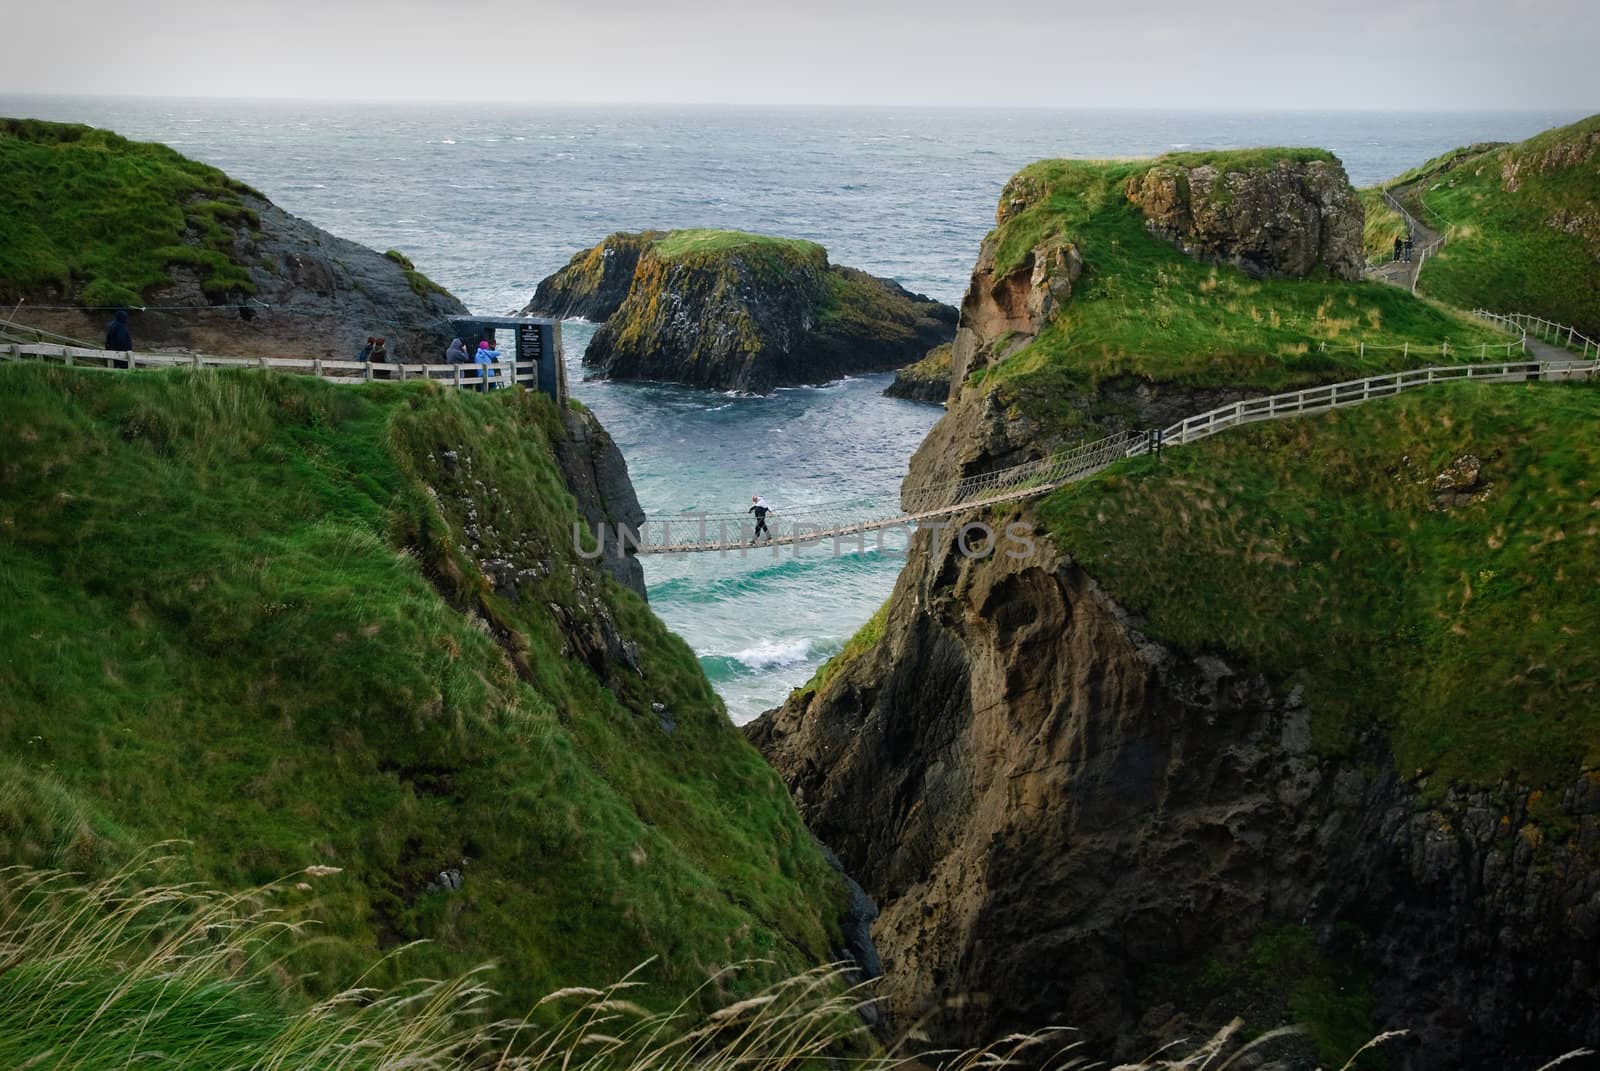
(1444, 349)
(197, 360)
(1406, 351)
(366, 372)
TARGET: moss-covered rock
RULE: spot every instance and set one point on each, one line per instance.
(926, 381)
(1268, 212)
(736, 311)
(595, 282)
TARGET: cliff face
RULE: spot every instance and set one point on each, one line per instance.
(597, 475)
(97, 220)
(1276, 215)
(1005, 308)
(1303, 779)
(595, 282)
(926, 381)
(1052, 811)
(742, 312)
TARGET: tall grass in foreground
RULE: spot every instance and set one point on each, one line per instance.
(114, 975)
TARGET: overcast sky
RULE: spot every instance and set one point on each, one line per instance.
(1266, 54)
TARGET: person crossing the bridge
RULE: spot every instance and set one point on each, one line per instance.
(760, 508)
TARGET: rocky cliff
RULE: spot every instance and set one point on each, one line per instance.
(741, 312)
(926, 381)
(205, 262)
(1236, 733)
(595, 282)
(1272, 212)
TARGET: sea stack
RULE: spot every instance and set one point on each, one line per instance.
(734, 311)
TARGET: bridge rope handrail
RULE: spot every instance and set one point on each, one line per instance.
(1041, 476)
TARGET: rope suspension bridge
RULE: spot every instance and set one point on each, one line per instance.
(1563, 354)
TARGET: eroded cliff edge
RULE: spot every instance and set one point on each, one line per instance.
(1235, 733)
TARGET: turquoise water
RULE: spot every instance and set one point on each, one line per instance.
(762, 620)
(488, 200)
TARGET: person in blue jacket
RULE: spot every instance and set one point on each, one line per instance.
(486, 356)
(118, 338)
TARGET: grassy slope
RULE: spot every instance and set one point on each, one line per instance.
(220, 626)
(102, 218)
(1142, 308)
(1502, 250)
(692, 242)
(1381, 227)
(1310, 549)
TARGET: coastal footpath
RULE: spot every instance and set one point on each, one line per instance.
(1296, 724)
(733, 311)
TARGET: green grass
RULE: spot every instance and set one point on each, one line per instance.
(1231, 160)
(686, 243)
(1310, 550)
(866, 637)
(420, 284)
(1534, 249)
(1282, 978)
(102, 220)
(1145, 310)
(129, 971)
(237, 614)
(1381, 226)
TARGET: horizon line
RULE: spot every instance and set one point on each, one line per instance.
(797, 105)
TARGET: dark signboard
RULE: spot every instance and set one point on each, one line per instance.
(530, 342)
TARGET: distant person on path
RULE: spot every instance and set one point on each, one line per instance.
(760, 509)
(486, 357)
(1399, 247)
(366, 351)
(1408, 249)
(379, 353)
(118, 338)
(457, 353)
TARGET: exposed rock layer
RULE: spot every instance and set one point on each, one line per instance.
(595, 282)
(597, 475)
(1284, 218)
(926, 381)
(323, 295)
(1049, 808)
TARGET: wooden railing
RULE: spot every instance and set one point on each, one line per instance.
(501, 373)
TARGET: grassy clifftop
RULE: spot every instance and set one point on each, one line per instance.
(98, 217)
(1425, 564)
(1521, 225)
(1143, 309)
(296, 624)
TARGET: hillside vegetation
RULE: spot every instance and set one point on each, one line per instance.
(96, 217)
(1143, 308)
(1424, 564)
(248, 611)
(1521, 225)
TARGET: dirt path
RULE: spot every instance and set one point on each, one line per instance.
(1424, 240)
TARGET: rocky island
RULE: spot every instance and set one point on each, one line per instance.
(735, 311)
(1195, 755)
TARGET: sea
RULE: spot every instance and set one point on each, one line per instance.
(489, 199)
